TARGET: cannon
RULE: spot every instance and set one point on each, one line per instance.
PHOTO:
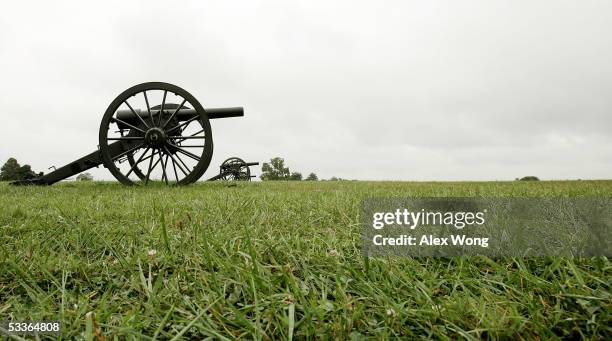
(170, 141)
(236, 169)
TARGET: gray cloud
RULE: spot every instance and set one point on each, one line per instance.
(391, 90)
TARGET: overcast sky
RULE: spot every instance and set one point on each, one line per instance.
(403, 90)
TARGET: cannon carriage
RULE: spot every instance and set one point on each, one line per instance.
(138, 143)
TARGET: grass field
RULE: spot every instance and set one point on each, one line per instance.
(275, 260)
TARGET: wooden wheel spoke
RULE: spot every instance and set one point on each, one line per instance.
(116, 120)
(187, 137)
(161, 110)
(135, 114)
(116, 157)
(184, 124)
(149, 171)
(185, 152)
(148, 108)
(137, 162)
(176, 163)
(125, 138)
(163, 165)
(174, 113)
(178, 157)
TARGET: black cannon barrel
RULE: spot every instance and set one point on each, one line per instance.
(182, 115)
(224, 112)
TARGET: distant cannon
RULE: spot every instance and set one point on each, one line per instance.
(235, 169)
(139, 143)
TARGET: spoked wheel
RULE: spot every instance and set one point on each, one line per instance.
(235, 168)
(168, 142)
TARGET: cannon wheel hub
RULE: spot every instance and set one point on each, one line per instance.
(155, 137)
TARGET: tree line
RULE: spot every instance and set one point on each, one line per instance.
(12, 170)
(277, 170)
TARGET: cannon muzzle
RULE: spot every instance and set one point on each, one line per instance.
(224, 112)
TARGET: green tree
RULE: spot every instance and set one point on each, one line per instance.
(275, 170)
(11, 170)
(295, 176)
(312, 177)
(25, 172)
